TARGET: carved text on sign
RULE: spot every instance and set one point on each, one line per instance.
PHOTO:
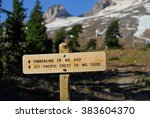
(64, 63)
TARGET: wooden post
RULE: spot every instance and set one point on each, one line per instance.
(64, 78)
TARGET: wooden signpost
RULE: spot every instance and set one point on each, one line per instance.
(64, 63)
(64, 78)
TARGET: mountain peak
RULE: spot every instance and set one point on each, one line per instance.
(100, 5)
(54, 12)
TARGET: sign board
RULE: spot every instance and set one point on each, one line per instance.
(64, 63)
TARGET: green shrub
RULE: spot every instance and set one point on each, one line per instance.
(26, 82)
(145, 47)
(91, 44)
(148, 46)
(114, 58)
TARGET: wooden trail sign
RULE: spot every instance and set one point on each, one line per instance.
(64, 63)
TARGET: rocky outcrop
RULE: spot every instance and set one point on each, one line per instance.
(100, 5)
(55, 11)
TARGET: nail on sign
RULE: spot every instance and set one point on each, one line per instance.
(64, 63)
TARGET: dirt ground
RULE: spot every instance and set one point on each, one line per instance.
(127, 78)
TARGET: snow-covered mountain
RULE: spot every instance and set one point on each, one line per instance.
(134, 16)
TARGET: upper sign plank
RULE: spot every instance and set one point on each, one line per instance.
(64, 63)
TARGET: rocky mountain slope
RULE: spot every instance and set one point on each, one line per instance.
(134, 17)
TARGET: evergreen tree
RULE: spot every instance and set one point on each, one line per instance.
(58, 39)
(36, 31)
(15, 24)
(0, 3)
(1, 32)
(74, 35)
(91, 44)
(0, 19)
(112, 35)
(14, 42)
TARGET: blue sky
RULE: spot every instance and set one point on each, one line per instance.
(75, 7)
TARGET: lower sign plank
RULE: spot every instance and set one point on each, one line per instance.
(64, 63)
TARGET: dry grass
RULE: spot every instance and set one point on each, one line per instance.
(130, 55)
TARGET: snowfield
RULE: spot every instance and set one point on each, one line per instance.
(65, 22)
(111, 11)
(144, 24)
